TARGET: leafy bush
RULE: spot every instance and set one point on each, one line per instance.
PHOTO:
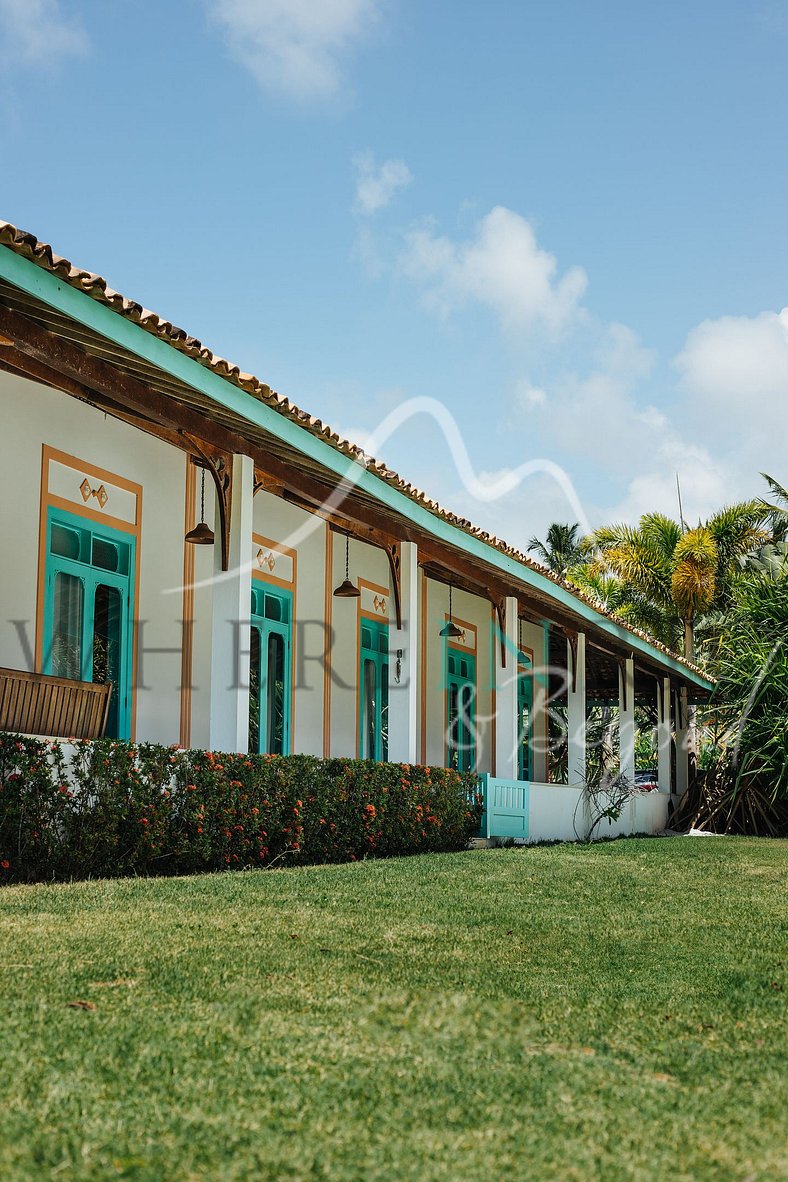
(111, 809)
(751, 697)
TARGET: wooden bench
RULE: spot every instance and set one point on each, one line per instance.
(36, 704)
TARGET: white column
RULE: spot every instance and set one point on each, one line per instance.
(663, 734)
(576, 713)
(626, 719)
(404, 662)
(506, 696)
(232, 591)
(682, 737)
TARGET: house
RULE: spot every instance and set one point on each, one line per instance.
(333, 609)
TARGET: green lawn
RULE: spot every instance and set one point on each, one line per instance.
(614, 1011)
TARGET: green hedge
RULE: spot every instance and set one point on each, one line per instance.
(108, 809)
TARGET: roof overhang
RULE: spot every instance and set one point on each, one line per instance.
(117, 364)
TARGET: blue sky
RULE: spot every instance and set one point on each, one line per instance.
(565, 223)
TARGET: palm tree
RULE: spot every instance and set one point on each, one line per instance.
(678, 575)
(561, 549)
(778, 514)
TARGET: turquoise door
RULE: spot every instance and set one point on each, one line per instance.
(88, 609)
(374, 691)
(525, 697)
(270, 671)
(460, 710)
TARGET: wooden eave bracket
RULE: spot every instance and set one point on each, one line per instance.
(622, 672)
(573, 645)
(394, 554)
(499, 603)
(221, 472)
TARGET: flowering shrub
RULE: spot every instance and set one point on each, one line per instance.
(111, 808)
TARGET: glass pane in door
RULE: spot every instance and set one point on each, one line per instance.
(465, 728)
(67, 626)
(368, 711)
(254, 689)
(107, 628)
(384, 711)
(453, 720)
(276, 694)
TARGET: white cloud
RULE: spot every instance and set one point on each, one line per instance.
(502, 266)
(39, 32)
(597, 414)
(737, 361)
(528, 396)
(295, 47)
(630, 449)
(375, 186)
(706, 482)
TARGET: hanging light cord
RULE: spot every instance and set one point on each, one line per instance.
(202, 497)
(450, 615)
(347, 558)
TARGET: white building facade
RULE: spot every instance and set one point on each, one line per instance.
(337, 612)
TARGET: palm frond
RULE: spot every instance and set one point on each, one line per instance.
(694, 578)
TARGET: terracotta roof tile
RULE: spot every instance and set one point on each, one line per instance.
(28, 246)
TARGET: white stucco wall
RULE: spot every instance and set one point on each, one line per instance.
(33, 415)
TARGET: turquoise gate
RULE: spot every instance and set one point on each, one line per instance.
(505, 808)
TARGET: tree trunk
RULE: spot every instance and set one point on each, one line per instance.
(692, 728)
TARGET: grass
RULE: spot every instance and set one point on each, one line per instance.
(614, 1012)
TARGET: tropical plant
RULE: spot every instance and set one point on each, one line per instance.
(671, 576)
(745, 788)
(561, 549)
(778, 514)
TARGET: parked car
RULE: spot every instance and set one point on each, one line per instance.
(646, 780)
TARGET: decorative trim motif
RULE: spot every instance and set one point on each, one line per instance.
(100, 493)
(273, 561)
(374, 600)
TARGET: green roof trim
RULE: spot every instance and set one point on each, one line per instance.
(50, 289)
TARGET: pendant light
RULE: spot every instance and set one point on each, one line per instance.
(450, 629)
(346, 589)
(202, 534)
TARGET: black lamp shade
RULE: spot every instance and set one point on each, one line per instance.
(201, 535)
(347, 590)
